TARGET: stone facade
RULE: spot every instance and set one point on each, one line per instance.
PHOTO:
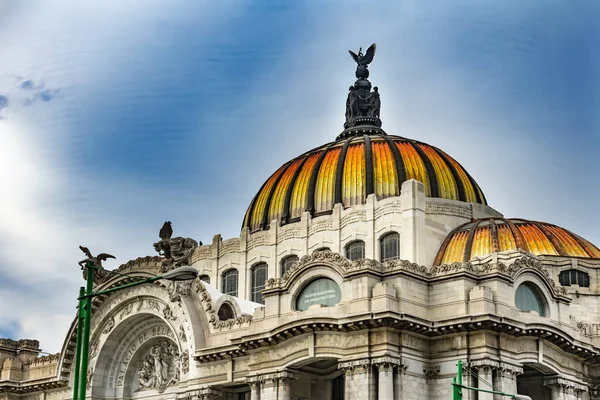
(396, 333)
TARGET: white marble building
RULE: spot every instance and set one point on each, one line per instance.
(365, 269)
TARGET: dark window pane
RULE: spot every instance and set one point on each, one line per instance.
(390, 246)
(225, 312)
(573, 279)
(287, 263)
(527, 298)
(259, 278)
(355, 250)
(563, 278)
(205, 278)
(230, 282)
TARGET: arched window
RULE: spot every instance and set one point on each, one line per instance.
(204, 278)
(355, 250)
(287, 263)
(529, 298)
(323, 249)
(258, 278)
(230, 282)
(574, 277)
(390, 246)
(225, 312)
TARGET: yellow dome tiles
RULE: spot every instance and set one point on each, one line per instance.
(486, 236)
(349, 170)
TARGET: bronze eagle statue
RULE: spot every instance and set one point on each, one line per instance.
(97, 260)
(364, 59)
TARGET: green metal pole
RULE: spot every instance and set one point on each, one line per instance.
(87, 302)
(459, 380)
(80, 312)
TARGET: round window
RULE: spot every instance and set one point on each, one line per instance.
(528, 298)
(321, 291)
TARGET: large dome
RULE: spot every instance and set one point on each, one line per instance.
(486, 236)
(348, 170)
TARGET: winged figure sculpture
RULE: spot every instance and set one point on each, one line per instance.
(97, 260)
(363, 60)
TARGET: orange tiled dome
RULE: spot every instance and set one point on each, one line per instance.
(348, 170)
(486, 236)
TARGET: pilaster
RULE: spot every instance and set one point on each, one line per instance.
(359, 379)
(385, 368)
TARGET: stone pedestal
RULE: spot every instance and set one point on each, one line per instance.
(359, 380)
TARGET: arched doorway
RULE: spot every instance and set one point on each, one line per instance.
(531, 382)
(316, 376)
(140, 357)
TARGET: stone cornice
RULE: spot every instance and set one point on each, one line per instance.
(407, 323)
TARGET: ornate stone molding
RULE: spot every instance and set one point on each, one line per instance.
(565, 384)
(270, 378)
(355, 365)
(178, 290)
(387, 362)
(431, 371)
(327, 257)
(443, 208)
(212, 316)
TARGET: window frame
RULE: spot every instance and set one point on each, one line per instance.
(382, 239)
(347, 249)
(283, 265)
(574, 277)
(256, 289)
(539, 297)
(230, 307)
(224, 276)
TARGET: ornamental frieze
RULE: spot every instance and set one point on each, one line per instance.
(353, 217)
(288, 233)
(326, 225)
(443, 208)
(390, 208)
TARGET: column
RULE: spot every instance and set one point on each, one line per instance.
(358, 377)
(556, 386)
(385, 368)
(254, 388)
(505, 379)
(268, 387)
(484, 369)
(285, 385)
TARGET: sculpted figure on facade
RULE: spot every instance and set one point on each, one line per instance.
(176, 251)
(363, 105)
(159, 368)
(101, 275)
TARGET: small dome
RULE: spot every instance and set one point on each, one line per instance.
(486, 236)
(348, 170)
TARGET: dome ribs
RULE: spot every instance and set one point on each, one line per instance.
(288, 194)
(458, 182)
(519, 239)
(494, 234)
(339, 175)
(537, 238)
(310, 206)
(368, 165)
(265, 216)
(398, 161)
(553, 239)
(433, 181)
(469, 245)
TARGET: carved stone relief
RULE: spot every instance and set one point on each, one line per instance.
(160, 367)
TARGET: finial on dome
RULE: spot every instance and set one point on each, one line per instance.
(363, 104)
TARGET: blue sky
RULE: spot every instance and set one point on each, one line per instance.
(119, 115)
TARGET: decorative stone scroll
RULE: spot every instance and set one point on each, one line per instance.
(178, 290)
(160, 367)
(212, 314)
(431, 371)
